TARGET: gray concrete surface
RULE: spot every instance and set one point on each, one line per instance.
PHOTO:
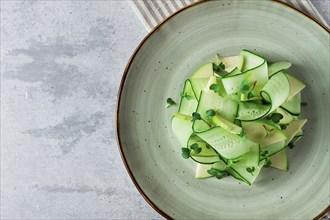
(61, 64)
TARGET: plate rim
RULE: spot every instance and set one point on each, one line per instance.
(123, 79)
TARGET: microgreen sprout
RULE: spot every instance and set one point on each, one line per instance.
(169, 102)
(210, 112)
(303, 104)
(291, 145)
(242, 135)
(268, 162)
(276, 117)
(185, 152)
(217, 173)
(283, 127)
(250, 170)
(196, 116)
(218, 68)
(196, 148)
(247, 89)
(215, 88)
(264, 153)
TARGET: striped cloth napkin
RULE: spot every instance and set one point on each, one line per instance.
(152, 12)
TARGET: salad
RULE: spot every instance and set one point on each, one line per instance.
(237, 115)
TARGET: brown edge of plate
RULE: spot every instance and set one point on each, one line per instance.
(150, 202)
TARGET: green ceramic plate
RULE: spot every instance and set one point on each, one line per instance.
(169, 55)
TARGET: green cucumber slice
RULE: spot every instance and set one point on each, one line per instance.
(207, 151)
(220, 166)
(234, 72)
(228, 125)
(188, 104)
(234, 174)
(232, 62)
(277, 67)
(198, 85)
(276, 90)
(222, 91)
(182, 127)
(206, 71)
(212, 80)
(231, 84)
(228, 145)
(217, 81)
(258, 74)
(250, 111)
(279, 160)
(201, 171)
(293, 128)
(293, 105)
(250, 160)
(224, 107)
(287, 117)
(251, 60)
(272, 148)
(262, 132)
(295, 86)
(206, 160)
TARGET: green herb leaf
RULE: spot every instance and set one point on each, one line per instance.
(194, 146)
(291, 145)
(251, 94)
(268, 163)
(185, 153)
(304, 104)
(169, 102)
(215, 88)
(196, 116)
(276, 117)
(217, 173)
(221, 174)
(264, 153)
(212, 171)
(242, 135)
(218, 68)
(250, 170)
(198, 150)
(283, 127)
(208, 146)
(210, 112)
(247, 89)
(244, 87)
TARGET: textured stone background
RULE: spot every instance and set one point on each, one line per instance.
(61, 64)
